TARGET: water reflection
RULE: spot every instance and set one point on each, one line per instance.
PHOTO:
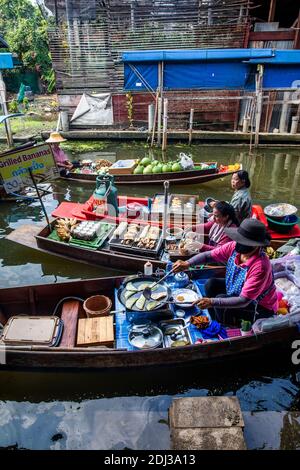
(129, 409)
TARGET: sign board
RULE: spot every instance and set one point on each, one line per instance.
(14, 167)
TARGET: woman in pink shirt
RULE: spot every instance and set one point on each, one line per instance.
(223, 217)
(248, 291)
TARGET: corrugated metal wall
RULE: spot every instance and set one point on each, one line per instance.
(89, 37)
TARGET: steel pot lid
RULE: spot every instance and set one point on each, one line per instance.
(145, 337)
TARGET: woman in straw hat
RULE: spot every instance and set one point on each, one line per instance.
(248, 290)
(60, 157)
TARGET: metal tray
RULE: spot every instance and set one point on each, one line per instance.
(115, 243)
(174, 323)
(184, 198)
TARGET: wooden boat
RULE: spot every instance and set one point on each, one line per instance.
(41, 300)
(178, 177)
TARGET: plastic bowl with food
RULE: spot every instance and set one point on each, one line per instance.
(194, 236)
(279, 211)
(176, 232)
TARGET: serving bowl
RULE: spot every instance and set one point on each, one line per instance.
(279, 211)
(175, 232)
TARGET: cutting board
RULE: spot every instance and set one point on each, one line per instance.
(95, 331)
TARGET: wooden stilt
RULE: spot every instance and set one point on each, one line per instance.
(191, 125)
(165, 125)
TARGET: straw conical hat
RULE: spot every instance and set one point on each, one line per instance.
(55, 137)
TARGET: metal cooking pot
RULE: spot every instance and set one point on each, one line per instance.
(138, 281)
(147, 336)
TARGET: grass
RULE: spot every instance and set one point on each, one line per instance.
(28, 125)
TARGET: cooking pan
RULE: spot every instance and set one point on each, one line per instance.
(140, 282)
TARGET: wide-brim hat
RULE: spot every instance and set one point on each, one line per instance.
(55, 138)
(251, 232)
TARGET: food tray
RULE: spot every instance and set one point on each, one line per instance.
(122, 167)
(183, 199)
(90, 244)
(115, 243)
(175, 323)
(157, 204)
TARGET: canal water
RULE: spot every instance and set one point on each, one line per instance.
(129, 410)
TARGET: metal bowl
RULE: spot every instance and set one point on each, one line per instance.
(279, 211)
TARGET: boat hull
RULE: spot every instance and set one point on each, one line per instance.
(180, 177)
(107, 258)
(41, 300)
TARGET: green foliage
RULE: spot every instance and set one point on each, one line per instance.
(13, 107)
(25, 30)
(77, 147)
(26, 104)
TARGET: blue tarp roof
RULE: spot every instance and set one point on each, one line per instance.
(6, 61)
(281, 57)
(196, 55)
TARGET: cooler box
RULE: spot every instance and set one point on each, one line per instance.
(25, 330)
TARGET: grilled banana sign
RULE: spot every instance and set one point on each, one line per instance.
(14, 167)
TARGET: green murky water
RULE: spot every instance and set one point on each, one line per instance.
(114, 411)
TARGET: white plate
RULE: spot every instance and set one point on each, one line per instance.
(189, 297)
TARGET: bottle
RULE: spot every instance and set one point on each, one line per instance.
(170, 279)
(148, 269)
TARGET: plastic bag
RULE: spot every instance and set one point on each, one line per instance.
(186, 161)
(287, 266)
(262, 325)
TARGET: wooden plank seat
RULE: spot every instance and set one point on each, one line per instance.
(69, 316)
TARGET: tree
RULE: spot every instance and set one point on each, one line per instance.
(25, 30)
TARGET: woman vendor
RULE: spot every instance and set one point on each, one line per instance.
(248, 291)
(223, 217)
(241, 199)
(60, 157)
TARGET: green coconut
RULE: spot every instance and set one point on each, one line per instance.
(145, 161)
(165, 168)
(148, 170)
(176, 167)
(157, 168)
(138, 170)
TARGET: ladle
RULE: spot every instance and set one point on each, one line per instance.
(173, 336)
(147, 290)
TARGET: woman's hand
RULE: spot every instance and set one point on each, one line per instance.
(204, 303)
(180, 265)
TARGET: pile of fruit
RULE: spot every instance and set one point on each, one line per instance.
(147, 167)
(233, 167)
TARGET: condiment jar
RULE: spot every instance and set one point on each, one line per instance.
(148, 269)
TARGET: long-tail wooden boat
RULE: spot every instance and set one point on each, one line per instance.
(178, 177)
(42, 300)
